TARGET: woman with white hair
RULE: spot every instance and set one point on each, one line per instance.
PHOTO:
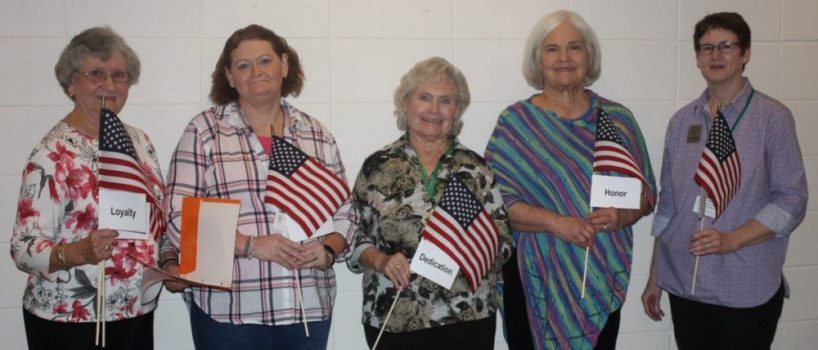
(397, 189)
(542, 152)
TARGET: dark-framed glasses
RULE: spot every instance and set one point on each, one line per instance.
(724, 47)
(99, 76)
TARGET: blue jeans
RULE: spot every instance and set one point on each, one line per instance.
(210, 334)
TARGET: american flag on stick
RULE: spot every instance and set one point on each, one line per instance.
(719, 171)
(303, 187)
(462, 228)
(610, 153)
(119, 167)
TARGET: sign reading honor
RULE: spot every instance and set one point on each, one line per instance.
(433, 263)
(615, 191)
(125, 212)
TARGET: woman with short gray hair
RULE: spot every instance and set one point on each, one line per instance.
(56, 238)
(396, 191)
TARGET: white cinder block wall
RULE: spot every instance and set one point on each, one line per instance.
(354, 52)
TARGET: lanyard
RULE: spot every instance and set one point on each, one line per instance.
(746, 105)
(430, 183)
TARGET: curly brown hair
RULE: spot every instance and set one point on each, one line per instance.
(221, 93)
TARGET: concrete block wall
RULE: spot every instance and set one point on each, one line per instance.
(354, 52)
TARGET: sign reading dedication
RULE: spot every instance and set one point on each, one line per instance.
(431, 262)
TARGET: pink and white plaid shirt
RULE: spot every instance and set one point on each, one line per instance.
(219, 156)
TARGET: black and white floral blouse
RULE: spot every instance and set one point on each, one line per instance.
(392, 206)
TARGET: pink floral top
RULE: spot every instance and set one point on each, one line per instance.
(58, 204)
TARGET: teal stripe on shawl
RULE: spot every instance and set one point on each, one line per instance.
(545, 161)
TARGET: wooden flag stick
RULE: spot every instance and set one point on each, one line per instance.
(702, 200)
(386, 321)
(301, 302)
(101, 309)
(585, 272)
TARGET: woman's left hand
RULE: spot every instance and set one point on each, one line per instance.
(711, 241)
(609, 219)
(315, 256)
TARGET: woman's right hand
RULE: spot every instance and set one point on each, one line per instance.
(395, 267)
(651, 299)
(172, 268)
(574, 230)
(279, 249)
(97, 247)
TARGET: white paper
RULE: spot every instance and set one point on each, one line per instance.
(709, 208)
(434, 264)
(615, 191)
(293, 230)
(126, 212)
(216, 239)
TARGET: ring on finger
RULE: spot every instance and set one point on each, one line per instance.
(398, 265)
(606, 226)
(107, 247)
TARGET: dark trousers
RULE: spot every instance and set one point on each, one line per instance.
(132, 333)
(515, 314)
(209, 334)
(472, 335)
(704, 326)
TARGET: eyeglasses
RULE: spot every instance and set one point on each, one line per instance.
(724, 47)
(99, 76)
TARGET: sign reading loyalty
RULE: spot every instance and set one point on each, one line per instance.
(615, 191)
(431, 262)
(125, 212)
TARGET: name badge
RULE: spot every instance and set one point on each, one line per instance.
(616, 191)
(694, 133)
(433, 264)
(126, 212)
(293, 230)
(709, 208)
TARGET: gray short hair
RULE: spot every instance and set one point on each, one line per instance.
(531, 57)
(99, 42)
(427, 71)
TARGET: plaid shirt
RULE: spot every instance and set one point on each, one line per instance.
(220, 156)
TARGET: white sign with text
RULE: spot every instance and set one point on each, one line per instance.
(126, 212)
(434, 264)
(615, 191)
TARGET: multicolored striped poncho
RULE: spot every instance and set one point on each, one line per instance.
(545, 161)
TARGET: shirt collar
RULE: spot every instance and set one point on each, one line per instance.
(233, 116)
(732, 108)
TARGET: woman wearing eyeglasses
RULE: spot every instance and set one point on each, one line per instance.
(56, 239)
(733, 254)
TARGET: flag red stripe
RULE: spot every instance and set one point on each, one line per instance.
(316, 189)
(281, 196)
(333, 182)
(446, 226)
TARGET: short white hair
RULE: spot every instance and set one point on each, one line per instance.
(531, 57)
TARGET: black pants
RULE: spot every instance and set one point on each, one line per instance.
(704, 326)
(132, 333)
(515, 316)
(472, 335)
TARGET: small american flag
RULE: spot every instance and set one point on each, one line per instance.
(119, 167)
(719, 171)
(610, 153)
(303, 187)
(462, 228)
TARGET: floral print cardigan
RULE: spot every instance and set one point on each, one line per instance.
(392, 206)
(58, 204)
